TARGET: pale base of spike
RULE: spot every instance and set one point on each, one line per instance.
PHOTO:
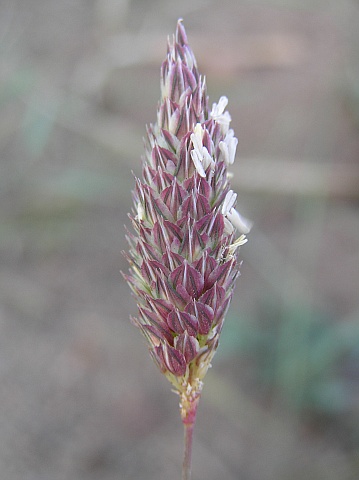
(189, 399)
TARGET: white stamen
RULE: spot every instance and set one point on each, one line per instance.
(207, 159)
(219, 115)
(232, 149)
(236, 244)
(243, 224)
(218, 109)
(225, 151)
(228, 147)
(197, 136)
(200, 155)
(198, 162)
(229, 202)
(228, 227)
(232, 217)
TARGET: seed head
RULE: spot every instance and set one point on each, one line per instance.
(183, 254)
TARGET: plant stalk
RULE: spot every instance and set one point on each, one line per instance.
(187, 457)
(188, 413)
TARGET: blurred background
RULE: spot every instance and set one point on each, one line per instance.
(80, 397)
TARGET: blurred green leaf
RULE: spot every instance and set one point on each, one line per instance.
(19, 83)
(301, 355)
(82, 185)
(330, 397)
(38, 123)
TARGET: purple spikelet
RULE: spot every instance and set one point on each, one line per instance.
(183, 255)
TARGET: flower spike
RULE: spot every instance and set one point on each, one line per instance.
(183, 253)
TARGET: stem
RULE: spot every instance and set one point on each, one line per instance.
(187, 458)
(188, 406)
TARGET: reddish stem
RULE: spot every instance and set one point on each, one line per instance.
(187, 458)
(188, 419)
